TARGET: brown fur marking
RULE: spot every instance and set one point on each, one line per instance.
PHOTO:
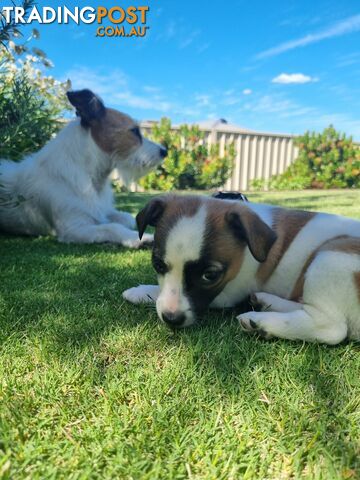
(175, 207)
(287, 224)
(113, 135)
(342, 243)
(223, 246)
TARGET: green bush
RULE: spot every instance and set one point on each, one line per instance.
(27, 120)
(190, 164)
(30, 101)
(326, 160)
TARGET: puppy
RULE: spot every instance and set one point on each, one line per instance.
(65, 190)
(301, 268)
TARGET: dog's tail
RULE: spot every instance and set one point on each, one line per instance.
(7, 199)
(9, 203)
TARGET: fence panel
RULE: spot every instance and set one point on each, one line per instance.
(257, 155)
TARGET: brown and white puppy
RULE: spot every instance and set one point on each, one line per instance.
(65, 189)
(302, 268)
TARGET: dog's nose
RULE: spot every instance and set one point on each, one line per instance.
(173, 319)
(163, 152)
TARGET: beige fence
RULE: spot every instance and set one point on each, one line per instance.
(257, 155)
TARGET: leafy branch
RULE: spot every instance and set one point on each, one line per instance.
(8, 30)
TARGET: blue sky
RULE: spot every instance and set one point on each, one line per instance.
(278, 66)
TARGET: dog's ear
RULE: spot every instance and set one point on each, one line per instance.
(248, 227)
(88, 106)
(150, 215)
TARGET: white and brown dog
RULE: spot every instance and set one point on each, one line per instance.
(65, 189)
(301, 268)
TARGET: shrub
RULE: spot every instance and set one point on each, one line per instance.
(30, 103)
(326, 160)
(27, 121)
(190, 164)
(9, 30)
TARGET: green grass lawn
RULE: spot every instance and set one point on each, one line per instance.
(92, 387)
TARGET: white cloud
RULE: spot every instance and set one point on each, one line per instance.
(203, 47)
(120, 91)
(349, 60)
(114, 86)
(276, 104)
(258, 112)
(287, 78)
(129, 99)
(189, 39)
(202, 100)
(151, 89)
(233, 96)
(341, 121)
(102, 84)
(179, 34)
(348, 25)
(168, 32)
(278, 113)
(230, 100)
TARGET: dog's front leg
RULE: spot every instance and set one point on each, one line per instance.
(124, 218)
(142, 294)
(308, 324)
(267, 302)
(103, 233)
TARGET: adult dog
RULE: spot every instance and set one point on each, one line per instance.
(65, 189)
(301, 268)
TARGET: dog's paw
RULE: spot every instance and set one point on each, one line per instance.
(124, 218)
(259, 303)
(135, 243)
(141, 294)
(147, 240)
(251, 322)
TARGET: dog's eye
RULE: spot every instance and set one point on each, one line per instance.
(136, 132)
(210, 276)
(160, 267)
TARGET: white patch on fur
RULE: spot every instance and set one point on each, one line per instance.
(65, 189)
(186, 238)
(320, 228)
(273, 303)
(183, 244)
(330, 287)
(140, 162)
(331, 309)
(142, 294)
